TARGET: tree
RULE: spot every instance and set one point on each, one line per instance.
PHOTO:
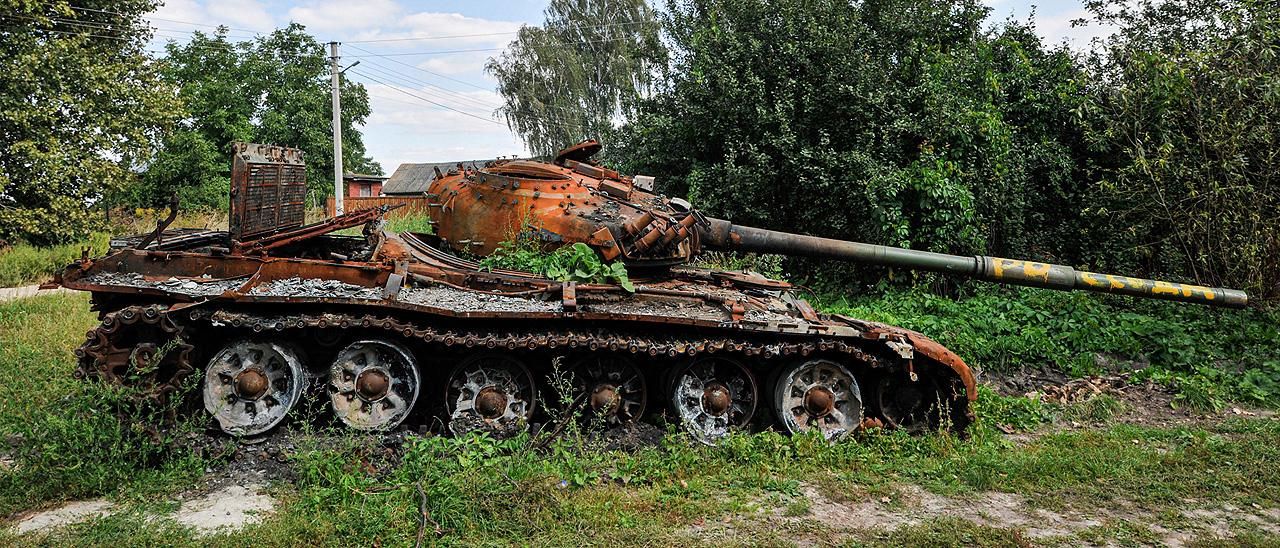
(582, 69)
(80, 103)
(273, 89)
(900, 122)
(1187, 115)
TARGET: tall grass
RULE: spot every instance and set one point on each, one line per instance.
(24, 264)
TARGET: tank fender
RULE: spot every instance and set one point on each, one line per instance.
(924, 345)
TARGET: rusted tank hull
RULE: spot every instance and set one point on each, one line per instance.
(447, 313)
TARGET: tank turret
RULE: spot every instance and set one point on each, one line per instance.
(574, 200)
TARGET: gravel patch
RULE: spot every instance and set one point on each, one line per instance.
(194, 287)
(313, 287)
(469, 301)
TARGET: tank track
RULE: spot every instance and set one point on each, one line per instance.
(101, 355)
(524, 339)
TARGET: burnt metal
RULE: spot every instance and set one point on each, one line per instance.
(250, 386)
(374, 384)
(160, 226)
(398, 327)
(268, 188)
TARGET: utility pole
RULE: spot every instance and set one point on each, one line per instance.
(336, 84)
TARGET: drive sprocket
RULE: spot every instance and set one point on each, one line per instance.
(141, 347)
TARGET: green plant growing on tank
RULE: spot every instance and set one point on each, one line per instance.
(573, 263)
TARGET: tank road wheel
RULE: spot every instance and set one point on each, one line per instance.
(818, 395)
(250, 386)
(614, 387)
(713, 395)
(137, 346)
(490, 392)
(912, 405)
(373, 384)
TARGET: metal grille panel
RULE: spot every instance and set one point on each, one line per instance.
(268, 187)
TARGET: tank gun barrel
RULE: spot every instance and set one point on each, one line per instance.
(724, 235)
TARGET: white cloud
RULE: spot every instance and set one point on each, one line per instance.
(248, 14)
(473, 30)
(340, 15)
(190, 15)
(457, 63)
(402, 129)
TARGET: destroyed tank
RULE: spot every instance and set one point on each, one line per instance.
(390, 330)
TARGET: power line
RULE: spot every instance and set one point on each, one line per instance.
(163, 19)
(99, 25)
(423, 38)
(454, 96)
(431, 37)
(413, 79)
(421, 98)
(474, 50)
(399, 62)
(554, 121)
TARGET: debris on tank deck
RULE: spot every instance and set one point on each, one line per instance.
(768, 316)
(311, 287)
(659, 308)
(194, 287)
(467, 301)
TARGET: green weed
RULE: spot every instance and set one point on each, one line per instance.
(69, 439)
(576, 262)
(411, 223)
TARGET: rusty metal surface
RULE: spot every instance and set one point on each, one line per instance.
(268, 189)
(140, 347)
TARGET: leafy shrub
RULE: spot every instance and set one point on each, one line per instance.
(577, 263)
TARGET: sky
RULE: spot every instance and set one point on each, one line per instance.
(423, 61)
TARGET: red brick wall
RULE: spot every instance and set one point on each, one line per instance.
(353, 188)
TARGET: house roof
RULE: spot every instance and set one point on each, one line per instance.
(363, 177)
(415, 178)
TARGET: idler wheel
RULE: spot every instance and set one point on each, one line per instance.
(373, 384)
(490, 392)
(907, 404)
(712, 396)
(819, 395)
(614, 387)
(249, 387)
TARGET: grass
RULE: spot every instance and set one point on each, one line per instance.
(1211, 356)
(73, 440)
(70, 439)
(24, 264)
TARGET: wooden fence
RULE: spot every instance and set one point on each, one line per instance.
(413, 205)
